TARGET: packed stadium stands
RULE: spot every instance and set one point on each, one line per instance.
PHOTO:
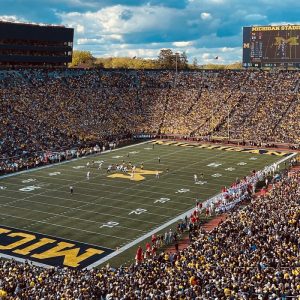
(57, 110)
(254, 254)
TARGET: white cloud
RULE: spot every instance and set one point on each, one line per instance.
(80, 28)
(203, 28)
(226, 49)
(182, 44)
(121, 19)
(205, 16)
(14, 19)
(85, 41)
(117, 37)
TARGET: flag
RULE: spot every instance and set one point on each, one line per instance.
(217, 57)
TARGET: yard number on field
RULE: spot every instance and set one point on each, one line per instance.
(230, 169)
(214, 165)
(28, 180)
(110, 224)
(29, 188)
(183, 191)
(54, 173)
(162, 200)
(138, 211)
(216, 175)
(201, 182)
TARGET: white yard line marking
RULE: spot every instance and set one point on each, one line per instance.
(63, 226)
(83, 181)
(149, 234)
(75, 208)
(71, 160)
(63, 214)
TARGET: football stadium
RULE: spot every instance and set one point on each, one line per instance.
(166, 180)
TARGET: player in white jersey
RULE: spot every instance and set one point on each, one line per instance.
(88, 175)
(109, 168)
(157, 175)
(88, 164)
(100, 166)
(195, 178)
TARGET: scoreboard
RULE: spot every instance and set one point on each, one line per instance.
(271, 46)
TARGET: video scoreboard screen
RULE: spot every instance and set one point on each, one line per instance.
(271, 46)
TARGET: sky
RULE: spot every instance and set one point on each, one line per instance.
(204, 29)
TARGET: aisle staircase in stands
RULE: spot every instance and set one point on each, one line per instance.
(293, 103)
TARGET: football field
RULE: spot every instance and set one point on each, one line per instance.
(42, 221)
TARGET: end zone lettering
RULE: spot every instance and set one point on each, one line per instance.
(225, 148)
(47, 250)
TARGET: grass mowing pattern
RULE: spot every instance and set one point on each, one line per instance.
(52, 210)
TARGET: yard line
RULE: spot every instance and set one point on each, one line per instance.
(74, 208)
(154, 231)
(217, 155)
(140, 239)
(148, 180)
(102, 197)
(110, 206)
(68, 227)
(71, 160)
(81, 181)
(65, 216)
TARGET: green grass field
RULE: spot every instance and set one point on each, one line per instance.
(113, 212)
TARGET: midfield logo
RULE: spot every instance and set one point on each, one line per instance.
(137, 176)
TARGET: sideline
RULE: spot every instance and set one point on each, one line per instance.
(163, 226)
(71, 160)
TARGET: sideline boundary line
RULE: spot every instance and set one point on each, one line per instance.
(163, 226)
(71, 160)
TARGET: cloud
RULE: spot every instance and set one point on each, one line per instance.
(182, 44)
(80, 28)
(205, 16)
(123, 19)
(14, 19)
(143, 27)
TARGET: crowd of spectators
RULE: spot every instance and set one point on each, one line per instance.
(253, 254)
(46, 111)
(52, 115)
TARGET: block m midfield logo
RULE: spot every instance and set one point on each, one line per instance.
(47, 250)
